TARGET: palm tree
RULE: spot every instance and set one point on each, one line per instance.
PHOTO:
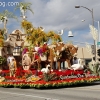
(1, 38)
(38, 35)
(4, 18)
(54, 37)
(23, 8)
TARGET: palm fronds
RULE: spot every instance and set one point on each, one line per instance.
(94, 32)
(7, 14)
(24, 6)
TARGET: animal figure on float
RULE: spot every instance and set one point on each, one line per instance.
(46, 55)
(46, 70)
(26, 61)
(79, 65)
(65, 54)
(55, 53)
(39, 56)
(72, 51)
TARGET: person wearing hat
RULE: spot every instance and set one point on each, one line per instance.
(75, 59)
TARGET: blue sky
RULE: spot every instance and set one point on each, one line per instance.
(56, 15)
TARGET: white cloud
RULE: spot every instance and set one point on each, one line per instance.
(58, 14)
(87, 36)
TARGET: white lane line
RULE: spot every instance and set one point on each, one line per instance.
(45, 98)
(82, 88)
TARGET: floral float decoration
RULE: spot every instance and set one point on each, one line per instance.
(55, 79)
(46, 79)
(2, 60)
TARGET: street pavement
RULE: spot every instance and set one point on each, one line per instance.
(90, 92)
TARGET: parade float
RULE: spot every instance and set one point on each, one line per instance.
(48, 75)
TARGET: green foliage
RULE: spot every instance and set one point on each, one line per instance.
(8, 14)
(2, 60)
(25, 6)
(37, 35)
(94, 69)
(1, 33)
(1, 37)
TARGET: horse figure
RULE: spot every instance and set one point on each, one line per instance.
(72, 51)
(51, 54)
(45, 55)
(52, 57)
(65, 53)
(40, 56)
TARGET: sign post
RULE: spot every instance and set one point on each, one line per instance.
(98, 43)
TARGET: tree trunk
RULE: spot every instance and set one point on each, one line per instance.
(1, 51)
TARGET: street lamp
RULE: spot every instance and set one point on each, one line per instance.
(70, 34)
(91, 11)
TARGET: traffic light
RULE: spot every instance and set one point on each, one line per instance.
(93, 50)
(98, 51)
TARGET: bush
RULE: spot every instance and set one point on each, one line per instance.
(2, 60)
